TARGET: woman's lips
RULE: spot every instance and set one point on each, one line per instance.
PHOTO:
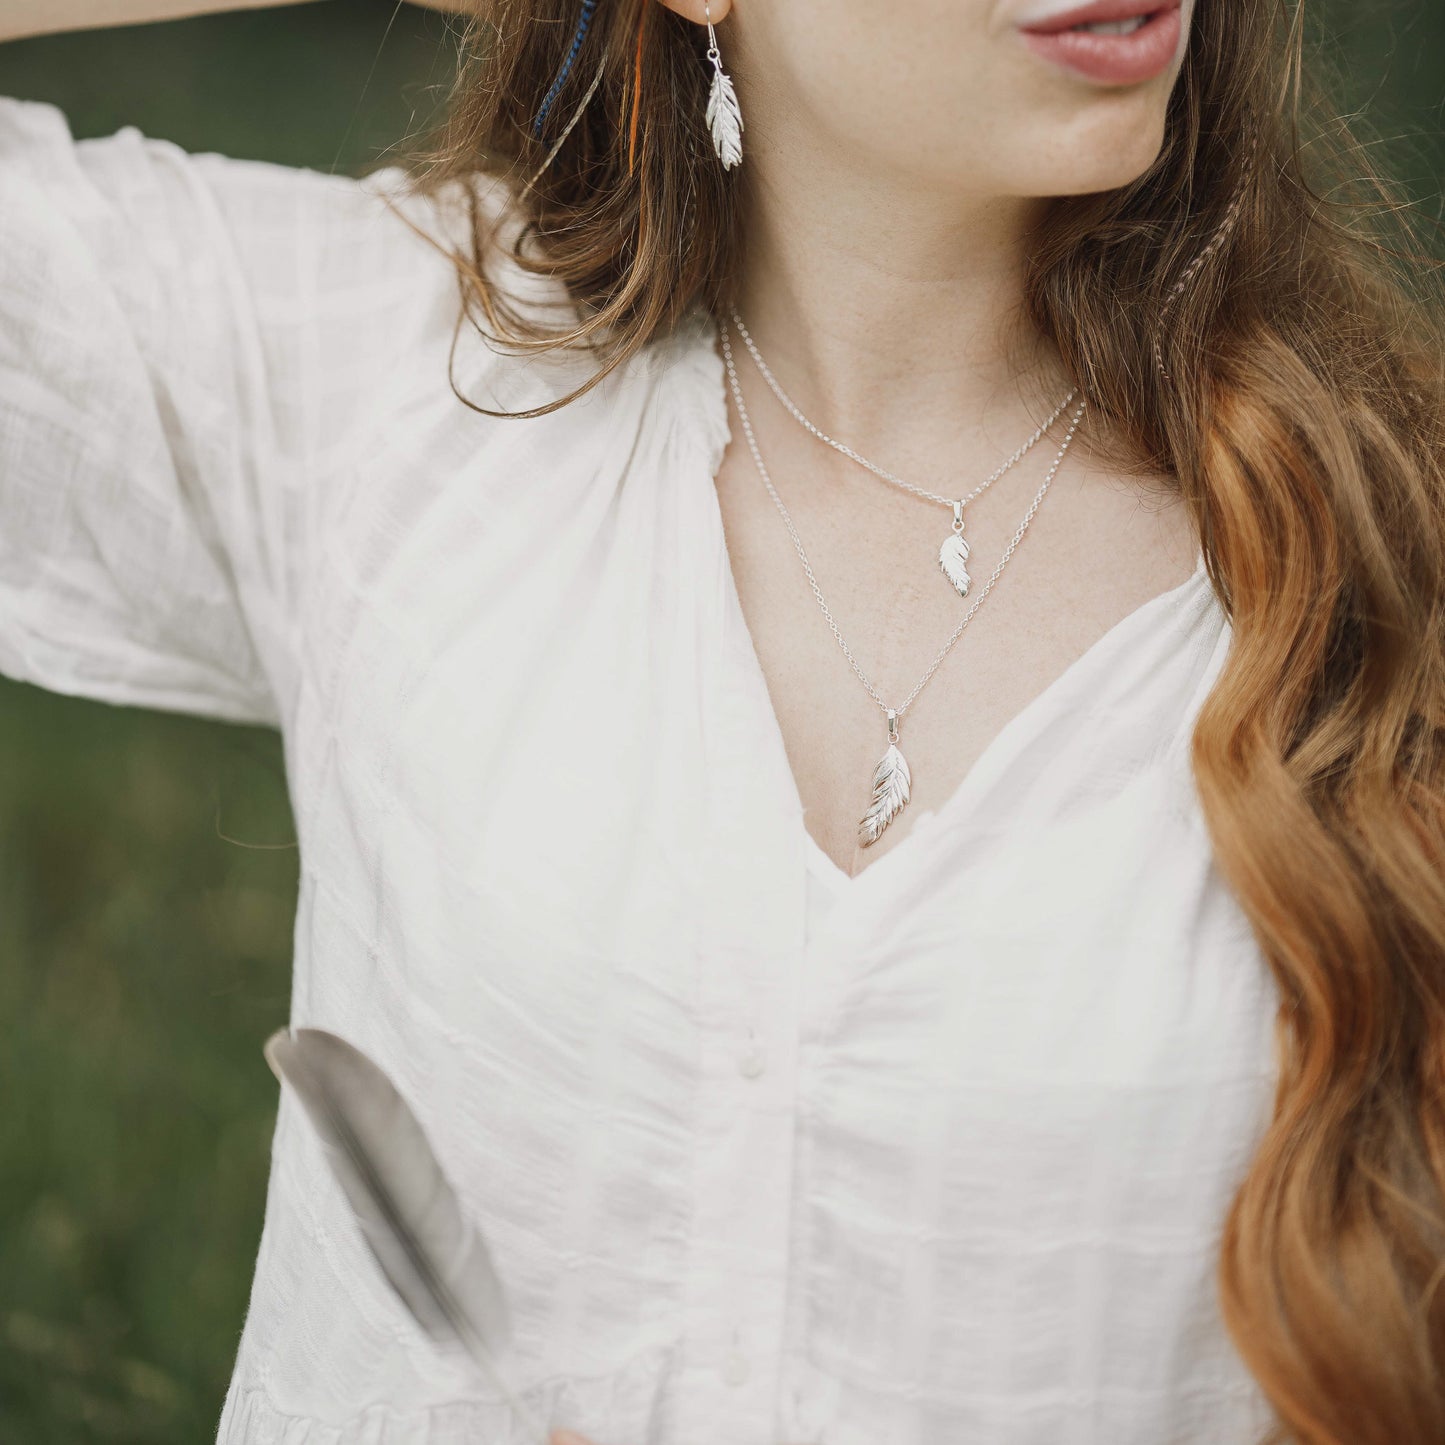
(1111, 59)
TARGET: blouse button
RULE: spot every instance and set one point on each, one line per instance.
(754, 1058)
(735, 1368)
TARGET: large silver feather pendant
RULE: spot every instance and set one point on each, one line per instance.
(725, 119)
(951, 557)
(891, 782)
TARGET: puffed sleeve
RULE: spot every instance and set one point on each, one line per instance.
(185, 340)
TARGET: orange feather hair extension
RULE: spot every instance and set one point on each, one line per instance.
(636, 84)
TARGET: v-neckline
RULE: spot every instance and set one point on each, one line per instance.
(716, 427)
(1007, 741)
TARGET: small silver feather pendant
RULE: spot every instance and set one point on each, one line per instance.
(724, 119)
(891, 784)
(951, 557)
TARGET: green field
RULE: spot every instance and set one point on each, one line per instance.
(147, 862)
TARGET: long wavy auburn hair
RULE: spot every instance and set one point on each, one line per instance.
(1255, 317)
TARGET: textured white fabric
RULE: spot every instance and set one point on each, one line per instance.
(936, 1154)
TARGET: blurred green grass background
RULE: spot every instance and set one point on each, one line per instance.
(147, 862)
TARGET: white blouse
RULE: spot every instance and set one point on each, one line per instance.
(765, 1153)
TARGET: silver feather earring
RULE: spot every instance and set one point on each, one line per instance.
(724, 116)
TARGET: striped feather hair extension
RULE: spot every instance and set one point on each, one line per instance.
(588, 6)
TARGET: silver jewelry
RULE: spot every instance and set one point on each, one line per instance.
(724, 115)
(892, 779)
(953, 554)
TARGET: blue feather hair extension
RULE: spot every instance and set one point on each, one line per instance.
(588, 6)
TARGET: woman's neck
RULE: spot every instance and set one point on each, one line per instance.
(893, 314)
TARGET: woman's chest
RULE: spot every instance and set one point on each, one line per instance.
(554, 877)
(532, 763)
(873, 623)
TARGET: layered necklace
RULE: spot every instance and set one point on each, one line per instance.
(892, 778)
(953, 554)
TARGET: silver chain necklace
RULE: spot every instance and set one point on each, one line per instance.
(953, 554)
(892, 780)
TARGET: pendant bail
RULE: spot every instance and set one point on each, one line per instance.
(892, 726)
(958, 516)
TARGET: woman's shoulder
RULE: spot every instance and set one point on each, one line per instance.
(350, 298)
(471, 241)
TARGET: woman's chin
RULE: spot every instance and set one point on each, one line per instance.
(1096, 162)
(1087, 181)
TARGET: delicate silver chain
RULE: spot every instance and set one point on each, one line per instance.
(813, 581)
(873, 467)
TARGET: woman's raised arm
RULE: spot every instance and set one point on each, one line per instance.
(190, 345)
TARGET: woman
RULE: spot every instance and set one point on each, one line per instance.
(1079, 1079)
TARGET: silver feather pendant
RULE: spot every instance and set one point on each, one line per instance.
(954, 553)
(724, 117)
(891, 784)
(951, 557)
